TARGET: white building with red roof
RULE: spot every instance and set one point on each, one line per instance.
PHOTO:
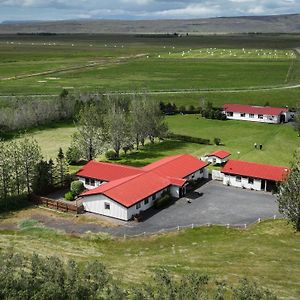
(263, 114)
(121, 192)
(249, 175)
(218, 157)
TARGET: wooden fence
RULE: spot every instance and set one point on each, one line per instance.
(58, 204)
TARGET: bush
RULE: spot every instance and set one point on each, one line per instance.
(77, 187)
(217, 141)
(188, 139)
(163, 201)
(72, 155)
(111, 155)
(69, 196)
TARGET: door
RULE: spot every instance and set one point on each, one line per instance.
(263, 185)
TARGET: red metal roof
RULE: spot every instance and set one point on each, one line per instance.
(178, 166)
(107, 171)
(130, 189)
(257, 110)
(220, 154)
(250, 169)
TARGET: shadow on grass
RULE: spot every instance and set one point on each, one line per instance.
(152, 152)
(14, 205)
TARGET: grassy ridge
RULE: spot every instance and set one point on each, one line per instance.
(268, 253)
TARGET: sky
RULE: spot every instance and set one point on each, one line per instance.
(140, 9)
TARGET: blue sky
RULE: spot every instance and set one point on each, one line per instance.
(140, 9)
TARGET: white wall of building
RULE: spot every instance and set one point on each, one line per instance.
(233, 180)
(88, 186)
(265, 118)
(203, 173)
(96, 204)
(216, 160)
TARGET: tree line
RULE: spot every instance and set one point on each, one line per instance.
(23, 170)
(115, 124)
(51, 278)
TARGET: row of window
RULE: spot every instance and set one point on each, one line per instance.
(239, 179)
(243, 115)
(90, 181)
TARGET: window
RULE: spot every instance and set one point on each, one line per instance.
(138, 205)
(153, 197)
(201, 171)
(229, 114)
(107, 205)
(238, 178)
(146, 201)
(87, 181)
(214, 160)
(92, 182)
(251, 115)
(260, 116)
(243, 114)
(250, 180)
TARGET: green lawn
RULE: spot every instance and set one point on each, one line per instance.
(279, 141)
(267, 253)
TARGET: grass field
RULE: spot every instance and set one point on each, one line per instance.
(111, 63)
(267, 253)
(279, 141)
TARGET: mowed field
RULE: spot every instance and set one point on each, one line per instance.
(279, 141)
(109, 63)
(267, 253)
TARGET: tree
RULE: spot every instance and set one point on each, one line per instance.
(296, 120)
(5, 170)
(138, 120)
(61, 167)
(154, 121)
(289, 193)
(118, 129)
(42, 181)
(18, 176)
(90, 136)
(30, 154)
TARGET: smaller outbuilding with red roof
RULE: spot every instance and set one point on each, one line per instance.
(263, 114)
(249, 175)
(218, 157)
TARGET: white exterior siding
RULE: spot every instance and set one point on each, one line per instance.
(88, 186)
(243, 183)
(216, 160)
(96, 204)
(265, 118)
(203, 173)
(174, 191)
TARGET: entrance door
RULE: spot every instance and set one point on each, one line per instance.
(263, 185)
(282, 118)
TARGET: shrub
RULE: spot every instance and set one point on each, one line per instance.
(72, 155)
(188, 139)
(69, 196)
(77, 187)
(111, 155)
(163, 201)
(217, 141)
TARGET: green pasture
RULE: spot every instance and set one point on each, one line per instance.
(267, 253)
(279, 141)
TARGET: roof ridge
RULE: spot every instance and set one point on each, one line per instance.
(256, 163)
(117, 164)
(175, 157)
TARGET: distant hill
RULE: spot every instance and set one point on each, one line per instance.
(269, 24)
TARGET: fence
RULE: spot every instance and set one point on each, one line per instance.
(193, 226)
(217, 175)
(57, 204)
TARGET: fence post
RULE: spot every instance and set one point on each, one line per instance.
(245, 226)
(258, 221)
(144, 233)
(274, 217)
(178, 228)
(228, 225)
(124, 236)
(192, 226)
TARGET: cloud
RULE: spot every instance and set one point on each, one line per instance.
(138, 9)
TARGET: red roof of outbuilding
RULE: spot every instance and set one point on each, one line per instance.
(107, 171)
(220, 154)
(258, 110)
(250, 169)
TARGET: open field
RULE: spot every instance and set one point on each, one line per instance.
(279, 141)
(118, 63)
(267, 253)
